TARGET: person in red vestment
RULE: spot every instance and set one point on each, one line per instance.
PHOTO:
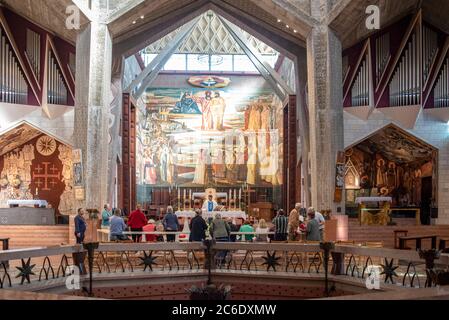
(136, 222)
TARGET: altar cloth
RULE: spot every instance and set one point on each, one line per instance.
(28, 203)
(206, 215)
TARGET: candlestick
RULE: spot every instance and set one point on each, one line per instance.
(235, 198)
(240, 198)
(190, 199)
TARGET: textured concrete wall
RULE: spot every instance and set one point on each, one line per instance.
(325, 115)
(428, 129)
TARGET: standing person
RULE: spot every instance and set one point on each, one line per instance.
(262, 228)
(198, 228)
(280, 226)
(220, 231)
(171, 224)
(150, 227)
(320, 219)
(234, 228)
(210, 204)
(80, 226)
(313, 228)
(136, 222)
(293, 222)
(246, 227)
(118, 226)
(106, 216)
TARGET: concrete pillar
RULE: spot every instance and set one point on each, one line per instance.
(324, 57)
(115, 114)
(93, 83)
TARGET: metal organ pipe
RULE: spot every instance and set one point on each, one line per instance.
(441, 92)
(57, 90)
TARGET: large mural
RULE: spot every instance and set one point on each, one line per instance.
(201, 137)
(38, 169)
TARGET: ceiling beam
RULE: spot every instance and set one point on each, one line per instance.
(123, 9)
(159, 28)
(83, 5)
(147, 76)
(270, 75)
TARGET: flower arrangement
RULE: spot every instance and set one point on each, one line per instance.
(210, 292)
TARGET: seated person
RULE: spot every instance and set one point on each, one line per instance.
(160, 228)
(247, 228)
(118, 226)
(262, 228)
(150, 227)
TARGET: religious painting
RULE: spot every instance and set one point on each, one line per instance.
(350, 196)
(77, 168)
(16, 137)
(204, 137)
(77, 174)
(79, 194)
(340, 176)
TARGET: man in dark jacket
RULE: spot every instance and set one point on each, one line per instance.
(198, 228)
(80, 226)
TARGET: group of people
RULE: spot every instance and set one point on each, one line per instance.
(222, 230)
(288, 228)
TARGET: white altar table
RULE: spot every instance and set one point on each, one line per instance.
(206, 215)
(360, 200)
(28, 203)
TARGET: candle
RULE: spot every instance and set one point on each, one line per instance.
(230, 197)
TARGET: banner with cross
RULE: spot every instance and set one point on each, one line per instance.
(46, 176)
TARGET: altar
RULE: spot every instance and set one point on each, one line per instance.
(27, 216)
(27, 203)
(374, 210)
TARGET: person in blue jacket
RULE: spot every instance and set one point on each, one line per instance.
(80, 226)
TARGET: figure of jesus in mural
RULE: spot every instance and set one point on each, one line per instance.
(218, 107)
(205, 103)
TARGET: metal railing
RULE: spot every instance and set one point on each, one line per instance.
(404, 268)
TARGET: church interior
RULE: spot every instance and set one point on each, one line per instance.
(314, 132)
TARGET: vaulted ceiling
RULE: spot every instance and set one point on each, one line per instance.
(347, 17)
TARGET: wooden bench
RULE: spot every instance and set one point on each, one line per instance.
(5, 246)
(397, 234)
(418, 241)
(443, 245)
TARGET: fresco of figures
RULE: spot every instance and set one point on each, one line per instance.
(200, 137)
